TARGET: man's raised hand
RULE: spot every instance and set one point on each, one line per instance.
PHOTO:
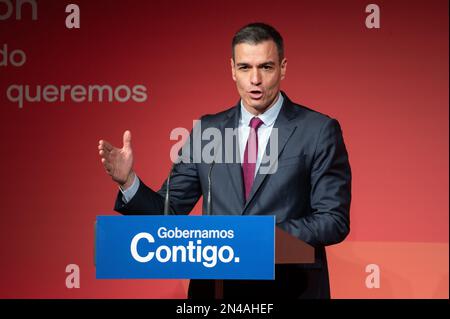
(118, 162)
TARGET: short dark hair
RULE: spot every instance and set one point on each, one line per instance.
(255, 33)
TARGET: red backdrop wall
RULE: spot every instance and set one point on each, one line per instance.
(388, 88)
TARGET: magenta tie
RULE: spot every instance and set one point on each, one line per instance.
(250, 156)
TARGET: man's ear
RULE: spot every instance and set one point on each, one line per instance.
(283, 68)
(233, 70)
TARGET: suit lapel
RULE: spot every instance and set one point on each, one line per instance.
(234, 168)
(285, 129)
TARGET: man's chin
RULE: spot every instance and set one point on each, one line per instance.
(261, 107)
(256, 104)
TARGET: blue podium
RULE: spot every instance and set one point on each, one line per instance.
(194, 247)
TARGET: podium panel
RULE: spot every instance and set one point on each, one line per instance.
(185, 247)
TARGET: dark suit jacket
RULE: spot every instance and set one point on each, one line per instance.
(310, 195)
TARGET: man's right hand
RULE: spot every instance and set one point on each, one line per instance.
(118, 162)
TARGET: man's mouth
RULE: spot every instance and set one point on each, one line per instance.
(255, 94)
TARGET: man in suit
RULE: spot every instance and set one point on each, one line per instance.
(309, 190)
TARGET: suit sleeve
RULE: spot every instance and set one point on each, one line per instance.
(330, 196)
(184, 187)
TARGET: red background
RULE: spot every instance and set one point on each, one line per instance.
(388, 88)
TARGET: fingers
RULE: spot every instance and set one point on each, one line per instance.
(104, 145)
(127, 139)
(108, 152)
(105, 148)
(104, 154)
(108, 166)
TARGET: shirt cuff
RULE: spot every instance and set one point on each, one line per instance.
(129, 193)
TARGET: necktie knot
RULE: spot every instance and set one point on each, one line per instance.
(255, 123)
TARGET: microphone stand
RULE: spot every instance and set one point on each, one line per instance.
(208, 198)
(166, 197)
(218, 283)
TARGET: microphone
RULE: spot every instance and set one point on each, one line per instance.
(208, 199)
(218, 284)
(166, 197)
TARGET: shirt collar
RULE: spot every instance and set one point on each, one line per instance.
(268, 117)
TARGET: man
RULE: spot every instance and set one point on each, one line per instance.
(309, 191)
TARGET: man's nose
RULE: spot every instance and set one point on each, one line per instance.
(255, 77)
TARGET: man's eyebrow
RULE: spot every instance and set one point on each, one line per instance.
(271, 63)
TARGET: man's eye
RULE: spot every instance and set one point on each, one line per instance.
(243, 67)
(267, 67)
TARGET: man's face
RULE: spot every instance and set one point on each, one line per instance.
(257, 71)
